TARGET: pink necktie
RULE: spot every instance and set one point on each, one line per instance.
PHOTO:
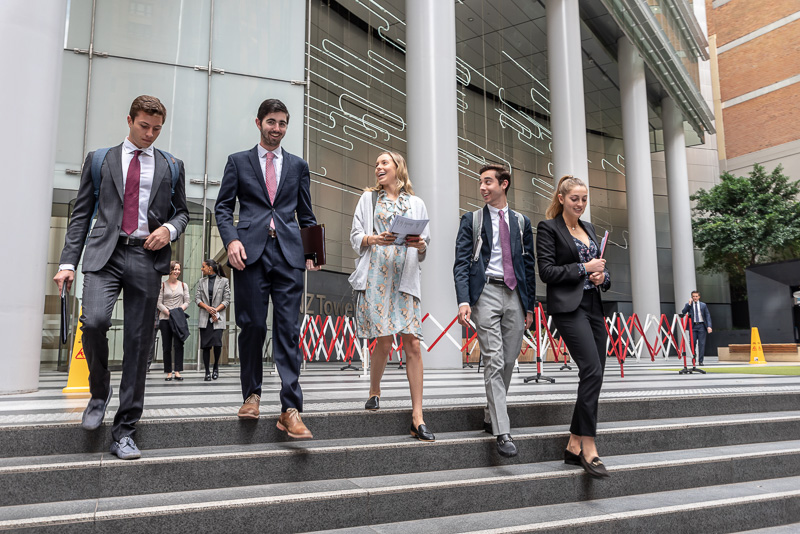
(130, 202)
(272, 183)
(505, 249)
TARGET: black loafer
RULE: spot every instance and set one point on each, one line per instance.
(505, 446)
(207, 378)
(215, 374)
(570, 458)
(595, 467)
(422, 433)
(487, 427)
(373, 403)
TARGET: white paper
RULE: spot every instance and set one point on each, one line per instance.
(403, 226)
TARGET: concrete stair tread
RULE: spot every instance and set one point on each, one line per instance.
(288, 447)
(366, 487)
(793, 528)
(600, 511)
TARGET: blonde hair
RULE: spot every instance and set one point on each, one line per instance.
(566, 184)
(403, 181)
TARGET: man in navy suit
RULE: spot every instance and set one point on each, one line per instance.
(498, 291)
(266, 251)
(701, 323)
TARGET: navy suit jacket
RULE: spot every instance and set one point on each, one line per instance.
(689, 308)
(470, 278)
(243, 179)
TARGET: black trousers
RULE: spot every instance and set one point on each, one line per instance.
(699, 334)
(130, 271)
(270, 276)
(169, 341)
(584, 332)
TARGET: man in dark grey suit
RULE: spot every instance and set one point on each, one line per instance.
(128, 250)
(699, 324)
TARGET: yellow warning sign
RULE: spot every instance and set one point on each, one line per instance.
(756, 350)
(78, 380)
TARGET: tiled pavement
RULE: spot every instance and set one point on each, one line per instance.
(326, 388)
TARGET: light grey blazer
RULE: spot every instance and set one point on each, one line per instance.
(222, 295)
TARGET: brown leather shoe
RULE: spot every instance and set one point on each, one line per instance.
(249, 409)
(290, 422)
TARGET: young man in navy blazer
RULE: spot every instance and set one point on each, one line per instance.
(699, 322)
(498, 291)
(266, 252)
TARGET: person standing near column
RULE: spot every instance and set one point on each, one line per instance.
(700, 319)
(174, 295)
(568, 252)
(266, 252)
(139, 212)
(496, 287)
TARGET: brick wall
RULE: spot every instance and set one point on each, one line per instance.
(762, 122)
(740, 17)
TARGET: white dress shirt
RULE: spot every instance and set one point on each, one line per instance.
(277, 162)
(495, 267)
(698, 317)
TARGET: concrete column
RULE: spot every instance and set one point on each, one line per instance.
(680, 215)
(638, 181)
(433, 161)
(565, 73)
(32, 42)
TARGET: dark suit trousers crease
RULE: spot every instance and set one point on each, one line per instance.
(130, 270)
(170, 340)
(270, 276)
(584, 332)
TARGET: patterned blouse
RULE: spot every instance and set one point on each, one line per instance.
(587, 254)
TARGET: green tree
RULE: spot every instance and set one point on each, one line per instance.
(747, 220)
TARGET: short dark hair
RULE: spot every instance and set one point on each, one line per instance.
(501, 173)
(271, 105)
(149, 105)
(695, 291)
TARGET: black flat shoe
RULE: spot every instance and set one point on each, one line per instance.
(215, 374)
(505, 446)
(595, 467)
(179, 378)
(487, 427)
(570, 458)
(169, 378)
(207, 378)
(373, 403)
(422, 433)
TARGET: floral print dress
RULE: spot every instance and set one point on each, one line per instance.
(382, 310)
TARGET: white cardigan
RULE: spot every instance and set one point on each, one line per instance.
(363, 222)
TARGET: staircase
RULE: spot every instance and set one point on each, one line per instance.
(702, 464)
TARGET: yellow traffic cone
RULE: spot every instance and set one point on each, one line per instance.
(756, 350)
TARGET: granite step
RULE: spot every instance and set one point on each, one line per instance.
(374, 500)
(709, 510)
(28, 480)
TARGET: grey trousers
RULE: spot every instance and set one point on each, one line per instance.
(500, 322)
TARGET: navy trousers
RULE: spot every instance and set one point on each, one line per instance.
(699, 332)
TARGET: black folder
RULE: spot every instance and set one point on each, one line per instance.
(314, 243)
(64, 329)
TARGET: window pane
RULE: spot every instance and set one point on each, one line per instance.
(71, 117)
(170, 31)
(260, 38)
(79, 24)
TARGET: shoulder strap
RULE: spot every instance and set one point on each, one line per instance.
(521, 224)
(174, 172)
(98, 158)
(374, 205)
(477, 240)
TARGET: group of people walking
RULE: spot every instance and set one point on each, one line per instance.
(139, 198)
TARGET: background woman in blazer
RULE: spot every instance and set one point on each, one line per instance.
(387, 279)
(213, 296)
(568, 251)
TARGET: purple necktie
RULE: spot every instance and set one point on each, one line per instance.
(130, 202)
(505, 248)
(272, 183)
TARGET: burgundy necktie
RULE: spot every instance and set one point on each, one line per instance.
(130, 203)
(505, 248)
(272, 183)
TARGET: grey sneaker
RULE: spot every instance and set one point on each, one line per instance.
(125, 449)
(95, 412)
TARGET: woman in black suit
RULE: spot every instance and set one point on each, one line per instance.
(568, 250)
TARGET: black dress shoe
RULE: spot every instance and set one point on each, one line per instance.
(373, 403)
(215, 374)
(487, 427)
(505, 446)
(207, 378)
(422, 433)
(570, 458)
(595, 467)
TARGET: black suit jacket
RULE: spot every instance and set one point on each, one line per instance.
(470, 278)
(243, 179)
(105, 234)
(558, 264)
